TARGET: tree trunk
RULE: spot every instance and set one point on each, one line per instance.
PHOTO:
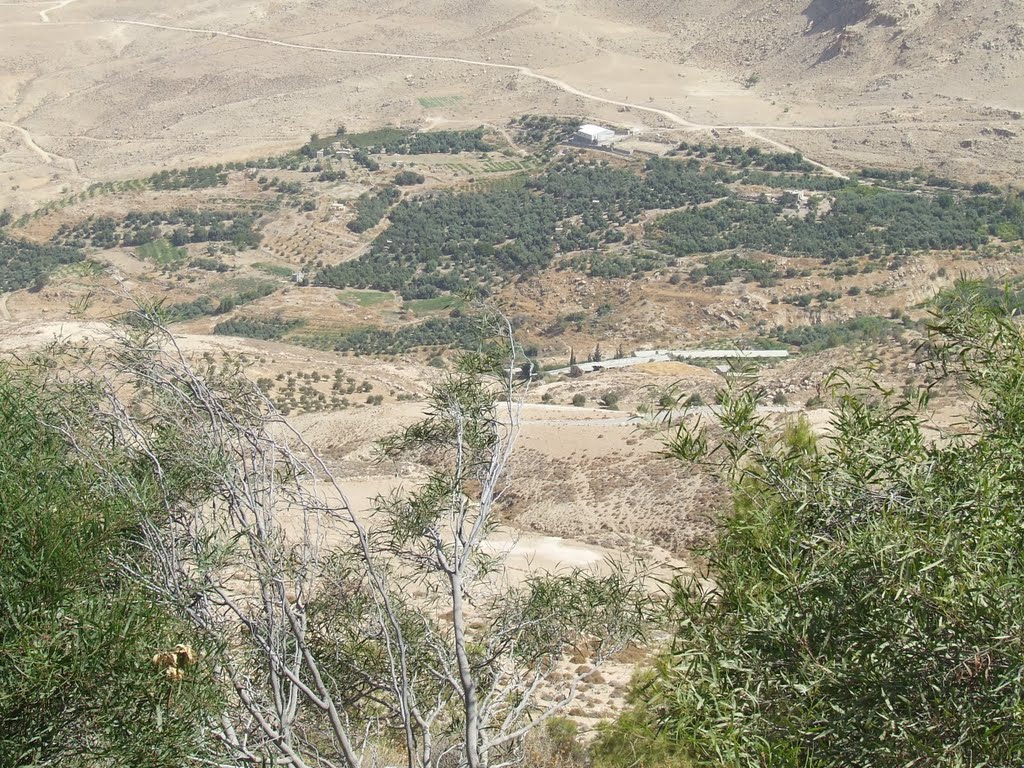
(472, 726)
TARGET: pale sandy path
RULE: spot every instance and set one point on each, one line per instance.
(525, 71)
(5, 315)
(44, 14)
(47, 157)
(26, 137)
(787, 148)
(858, 126)
(602, 417)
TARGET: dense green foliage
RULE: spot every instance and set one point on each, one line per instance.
(433, 142)
(479, 232)
(626, 263)
(180, 226)
(746, 157)
(190, 178)
(620, 195)
(244, 296)
(23, 264)
(331, 175)
(545, 131)
(208, 264)
(902, 179)
(448, 332)
(812, 182)
(207, 305)
(991, 293)
(868, 598)
(862, 221)
(719, 270)
(366, 160)
(458, 241)
(375, 138)
(398, 141)
(408, 178)
(76, 634)
(477, 240)
(188, 310)
(814, 338)
(371, 207)
(257, 327)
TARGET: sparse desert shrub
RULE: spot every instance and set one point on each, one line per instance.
(667, 400)
(557, 745)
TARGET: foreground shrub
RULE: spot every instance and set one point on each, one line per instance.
(868, 596)
(78, 634)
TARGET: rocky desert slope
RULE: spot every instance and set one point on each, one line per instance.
(93, 89)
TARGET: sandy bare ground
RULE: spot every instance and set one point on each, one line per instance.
(94, 89)
(524, 71)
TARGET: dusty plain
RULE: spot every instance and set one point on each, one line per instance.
(95, 89)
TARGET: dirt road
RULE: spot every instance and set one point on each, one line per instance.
(522, 70)
(47, 157)
(26, 137)
(45, 14)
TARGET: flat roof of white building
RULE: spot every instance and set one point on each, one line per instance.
(594, 130)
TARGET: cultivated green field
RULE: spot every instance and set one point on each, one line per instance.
(435, 102)
(365, 298)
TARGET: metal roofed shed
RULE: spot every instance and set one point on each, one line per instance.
(594, 134)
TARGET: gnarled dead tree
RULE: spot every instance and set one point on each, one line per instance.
(341, 640)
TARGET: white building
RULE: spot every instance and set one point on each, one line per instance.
(594, 134)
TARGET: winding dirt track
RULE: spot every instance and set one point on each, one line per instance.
(45, 13)
(524, 71)
(47, 157)
(26, 137)
(751, 131)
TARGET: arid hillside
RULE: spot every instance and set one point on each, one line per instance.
(338, 277)
(92, 89)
